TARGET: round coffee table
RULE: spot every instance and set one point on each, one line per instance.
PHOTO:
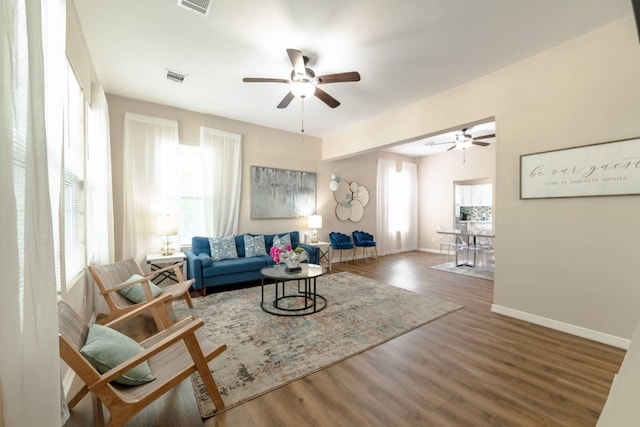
(304, 300)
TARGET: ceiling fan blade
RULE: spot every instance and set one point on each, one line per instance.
(286, 100)
(493, 135)
(480, 143)
(434, 144)
(351, 76)
(452, 147)
(297, 60)
(264, 80)
(326, 98)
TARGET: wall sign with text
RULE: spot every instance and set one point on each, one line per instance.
(605, 169)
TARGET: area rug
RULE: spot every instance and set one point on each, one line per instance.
(266, 351)
(464, 270)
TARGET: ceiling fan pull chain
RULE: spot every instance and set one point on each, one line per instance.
(302, 130)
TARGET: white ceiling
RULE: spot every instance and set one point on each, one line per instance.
(405, 50)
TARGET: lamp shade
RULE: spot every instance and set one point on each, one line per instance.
(166, 225)
(314, 221)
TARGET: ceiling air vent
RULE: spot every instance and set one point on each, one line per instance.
(175, 76)
(203, 7)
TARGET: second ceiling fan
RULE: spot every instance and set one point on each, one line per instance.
(304, 82)
(464, 140)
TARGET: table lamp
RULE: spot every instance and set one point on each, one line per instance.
(314, 222)
(166, 226)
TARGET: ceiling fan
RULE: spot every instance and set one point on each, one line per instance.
(464, 141)
(304, 82)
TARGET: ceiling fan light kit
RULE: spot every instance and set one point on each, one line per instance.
(302, 89)
(303, 82)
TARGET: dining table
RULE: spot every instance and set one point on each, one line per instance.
(471, 238)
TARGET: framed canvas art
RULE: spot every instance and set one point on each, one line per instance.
(282, 193)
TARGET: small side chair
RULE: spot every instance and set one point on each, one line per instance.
(341, 242)
(171, 355)
(364, 240)
(111, 278)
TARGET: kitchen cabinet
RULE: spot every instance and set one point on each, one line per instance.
(474, 195)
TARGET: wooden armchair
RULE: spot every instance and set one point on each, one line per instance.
(173, 355)
(110, 278)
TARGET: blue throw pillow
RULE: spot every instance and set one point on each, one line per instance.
(223, 248)
(254, 246)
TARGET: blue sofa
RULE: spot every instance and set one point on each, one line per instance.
(208, 273)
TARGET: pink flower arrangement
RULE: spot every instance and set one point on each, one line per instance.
(276, 251)
(288, 255)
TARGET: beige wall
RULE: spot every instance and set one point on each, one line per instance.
(568, 263)
(361, 169)
(262, 146)
(436, 175)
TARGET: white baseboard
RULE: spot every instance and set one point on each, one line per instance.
(579, 331)
(433, 251)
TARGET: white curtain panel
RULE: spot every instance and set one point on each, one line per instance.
(150, 183)
(29, 362)
(409, 204)
(386, 235)
(222, 166)
(100, 247)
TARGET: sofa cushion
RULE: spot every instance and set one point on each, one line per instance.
(239, 265)
(254, 246)
(200, 245)
(223, 248)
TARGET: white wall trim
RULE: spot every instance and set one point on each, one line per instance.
(435, 251)
(579, 331)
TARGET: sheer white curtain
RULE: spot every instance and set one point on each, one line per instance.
(397, 208)
(222, 166)
(100, 247)
(386, 235)
(408, 221)
(151, 181)
(30, 364)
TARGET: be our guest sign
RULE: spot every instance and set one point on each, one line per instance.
(605, 169)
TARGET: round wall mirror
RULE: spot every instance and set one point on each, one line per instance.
(362, 194)
(357, 211)
(343, 194)
(343, 211)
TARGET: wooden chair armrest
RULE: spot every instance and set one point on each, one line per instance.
(142, 307)
(186, 330)
(159, 336)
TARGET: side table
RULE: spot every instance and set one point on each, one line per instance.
(158, 261)
(325, 251)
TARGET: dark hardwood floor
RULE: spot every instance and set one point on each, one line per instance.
(469, 368)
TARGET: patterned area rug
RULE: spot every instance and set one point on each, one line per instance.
(464, 270)
(266, 351)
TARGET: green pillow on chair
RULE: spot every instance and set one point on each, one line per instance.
(106, 348)
(136, 293)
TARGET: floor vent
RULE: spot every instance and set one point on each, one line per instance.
(202, 7)
(175, 76)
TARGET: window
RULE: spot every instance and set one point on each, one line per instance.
(74, 247)
(191, 193)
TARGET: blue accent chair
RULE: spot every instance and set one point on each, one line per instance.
(364, 240)
(341, 242)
